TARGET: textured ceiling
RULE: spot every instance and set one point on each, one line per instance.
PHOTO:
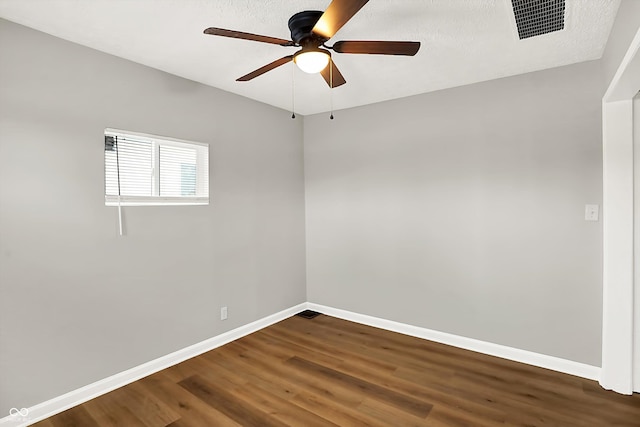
(463, 42)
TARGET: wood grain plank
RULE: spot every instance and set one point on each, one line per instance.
(339, 395)
(108, 410)
(193, 411)
(443, 416)
(327, 371)
(75, 417)
(401, 401)
(151, 410)
(263, 399)
(340, 415)
(281, 409)
(393, 383)
(391, 415)
(265, 379)
(219, 398)
(478, 393)
(44, 423)
(312, 343)
(330, 408)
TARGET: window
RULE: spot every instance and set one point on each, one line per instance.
(150, 170)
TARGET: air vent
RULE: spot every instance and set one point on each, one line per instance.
(308, 314)
(537, 17)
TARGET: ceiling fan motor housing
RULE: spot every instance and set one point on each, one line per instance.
(301, 25)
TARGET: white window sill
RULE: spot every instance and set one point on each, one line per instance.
(155, 201)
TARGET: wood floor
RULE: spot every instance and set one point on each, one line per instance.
(326, 372)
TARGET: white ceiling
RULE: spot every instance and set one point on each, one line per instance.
(463, 42)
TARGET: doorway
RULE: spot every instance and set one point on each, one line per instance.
(621, 243)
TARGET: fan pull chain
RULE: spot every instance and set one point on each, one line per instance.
(331, 86)
(293, 89)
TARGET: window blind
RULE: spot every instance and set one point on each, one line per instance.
(146, 170)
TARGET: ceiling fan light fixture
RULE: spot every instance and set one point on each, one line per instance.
(312, 60)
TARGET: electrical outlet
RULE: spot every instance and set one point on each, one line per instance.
(223, 313)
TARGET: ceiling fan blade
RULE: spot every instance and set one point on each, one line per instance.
(332, 71)
(336, 15)
(247, 36)
(268, 67)
(377, 47)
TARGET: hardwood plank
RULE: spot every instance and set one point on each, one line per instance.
(151, 410)
(338, 395)
(340, 415)
(426, 393)
(317, 346)
(264, 379)
(627, 404)
(412, 348)
(351, 361)
(193, 411)
(223, 401)
(75, 417)
(401, 401)
(391, 415)
(443, 416)
(263, 399)
(478, 393)
(44, 423)
(530, 413)
(534, 400)
(411, 351)
(330, 408)
(108, 410)
(273, 343)
(327, 371)
(197, 366)
(280, 409)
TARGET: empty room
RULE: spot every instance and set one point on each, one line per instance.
(320, 213)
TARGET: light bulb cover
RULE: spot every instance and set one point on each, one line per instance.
(312, 60)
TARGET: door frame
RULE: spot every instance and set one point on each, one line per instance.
(618, 329)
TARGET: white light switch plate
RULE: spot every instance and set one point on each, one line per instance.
(591, 212)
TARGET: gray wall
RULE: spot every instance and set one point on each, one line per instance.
(463, 211)
(78, 303)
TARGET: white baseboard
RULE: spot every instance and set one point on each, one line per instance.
(541, 360)
(76, 397)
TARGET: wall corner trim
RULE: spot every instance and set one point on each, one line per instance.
(523, 356)
(76, 397)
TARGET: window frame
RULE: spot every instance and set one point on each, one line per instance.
(155, 199)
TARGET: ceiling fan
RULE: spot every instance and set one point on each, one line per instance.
(310, 30)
